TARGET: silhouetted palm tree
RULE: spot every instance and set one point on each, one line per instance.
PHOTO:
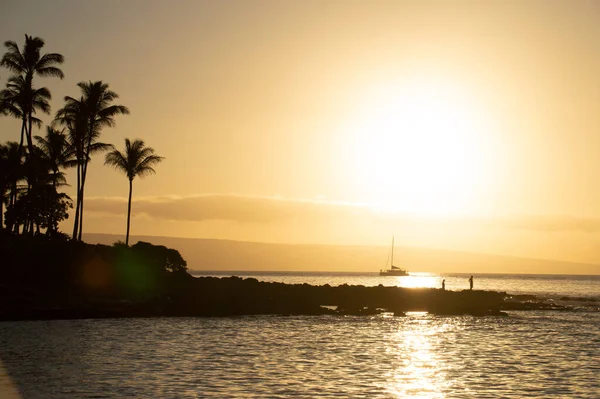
(55, 148)
(57, 153)
(74, 116)
(137, 160)
(85, 118)
(25, 64)
(21, 102)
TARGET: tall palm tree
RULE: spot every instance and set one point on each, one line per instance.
(21, 101)
(85, 118)
(137, 160)
(25, 64)
(74, 117)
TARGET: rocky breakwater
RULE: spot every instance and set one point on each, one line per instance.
(210, 296)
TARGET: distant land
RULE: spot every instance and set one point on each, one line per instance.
(213, 254)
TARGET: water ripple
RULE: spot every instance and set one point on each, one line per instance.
(527, 355)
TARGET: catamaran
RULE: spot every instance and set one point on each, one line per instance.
(393, 270)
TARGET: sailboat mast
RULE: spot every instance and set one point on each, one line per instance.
(392, 251)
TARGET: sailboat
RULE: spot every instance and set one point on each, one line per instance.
(393, 270)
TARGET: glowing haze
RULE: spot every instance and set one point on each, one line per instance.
(457, 125)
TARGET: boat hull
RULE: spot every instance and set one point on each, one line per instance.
(393, 273)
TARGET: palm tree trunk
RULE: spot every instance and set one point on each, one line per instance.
(81, 213)
(86, 155)
(50, 229)
(81, 193)
(11, 203)
(29, 135)
(13, 189)
(76, 223)
(23, 129)
(129, 212)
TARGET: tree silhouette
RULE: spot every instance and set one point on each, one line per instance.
(57, 153)
(85, 117)
(25, 64)
(39, 205)
(11, 172)
(56, 150)
(21, 101)
(137, 160)
(4, 181)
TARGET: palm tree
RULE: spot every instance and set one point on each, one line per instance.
(25, 64)
(85, 118)
(55, 150)
(137, 160)
(74, 117)
(21, 101)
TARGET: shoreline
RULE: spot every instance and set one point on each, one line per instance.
(234, 296)
(43, 279)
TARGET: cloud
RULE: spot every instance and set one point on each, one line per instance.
(258, 209)
(229, 207)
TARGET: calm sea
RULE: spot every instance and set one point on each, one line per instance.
(528, 354)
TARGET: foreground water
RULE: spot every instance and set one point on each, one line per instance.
(528, 354)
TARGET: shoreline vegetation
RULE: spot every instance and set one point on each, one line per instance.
(48, 278)
(32, 172)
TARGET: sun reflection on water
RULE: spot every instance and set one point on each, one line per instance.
(419, 280)
(419, 372)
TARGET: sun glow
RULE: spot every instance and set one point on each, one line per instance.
(418, 147)
(420, 280)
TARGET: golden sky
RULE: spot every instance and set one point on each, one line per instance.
(460, 125)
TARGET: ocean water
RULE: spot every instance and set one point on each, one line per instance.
(526, 355)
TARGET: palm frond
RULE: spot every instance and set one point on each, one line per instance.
(117, 160)
(145, 167)
(36, 121)
(13, 59)
(137, 160)
(50, 72)
(50, 60)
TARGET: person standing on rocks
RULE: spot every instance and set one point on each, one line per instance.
(471, 283)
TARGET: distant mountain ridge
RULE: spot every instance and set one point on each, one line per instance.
(216, 254)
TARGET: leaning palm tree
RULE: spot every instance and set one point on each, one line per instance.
(85, 117)
(137, 160)
(25, 64)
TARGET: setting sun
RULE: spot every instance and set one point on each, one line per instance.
(394, 199)
(417, 147)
